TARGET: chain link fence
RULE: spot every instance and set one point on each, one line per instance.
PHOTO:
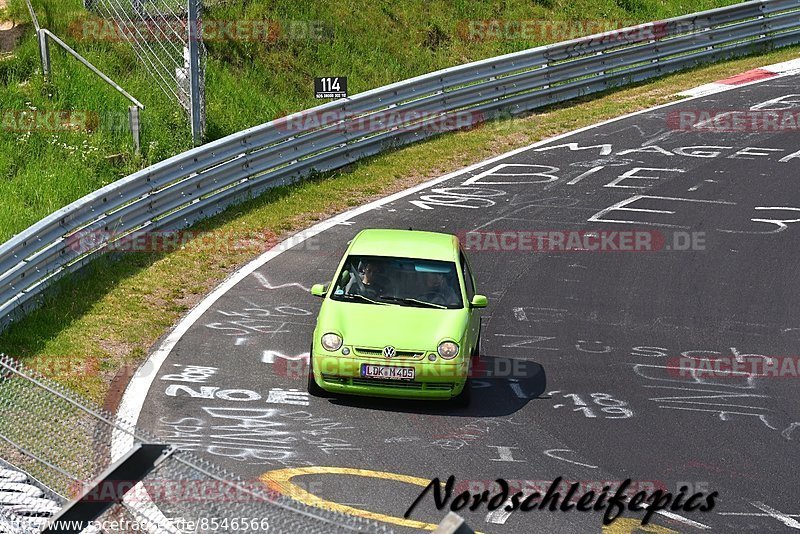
(55, 445)
(166, 38)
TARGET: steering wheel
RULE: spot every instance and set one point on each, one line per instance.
(433, 296)
(381, 284)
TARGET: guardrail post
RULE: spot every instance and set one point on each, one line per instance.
(453, 524)
(133, 119)
(765, 24)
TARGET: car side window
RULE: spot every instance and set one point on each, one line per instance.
(468, 281)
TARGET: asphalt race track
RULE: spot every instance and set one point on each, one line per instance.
(581, 371)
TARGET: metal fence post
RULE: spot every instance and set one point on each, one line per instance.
(196, 102)
(133, 119)
(44, 53)
(109, 488)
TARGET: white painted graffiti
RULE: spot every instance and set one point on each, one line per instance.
(263, 436)
(288, 396)
(610, 407)
(458, 197)
(650, 210)
(259, 320)
(729, 399)
(196, 374)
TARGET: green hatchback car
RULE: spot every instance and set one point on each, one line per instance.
(400, 319)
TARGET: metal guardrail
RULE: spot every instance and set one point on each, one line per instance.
(204, 181)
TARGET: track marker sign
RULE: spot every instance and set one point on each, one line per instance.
(330, 87)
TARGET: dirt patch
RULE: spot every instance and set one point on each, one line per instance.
(10, 32)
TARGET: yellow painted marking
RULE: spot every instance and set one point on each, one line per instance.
(281, 480)
(631, 526)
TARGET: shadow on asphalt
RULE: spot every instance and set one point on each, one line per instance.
(500, 387)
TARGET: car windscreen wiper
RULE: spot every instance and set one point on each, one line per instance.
(421, 303)
(353, 296)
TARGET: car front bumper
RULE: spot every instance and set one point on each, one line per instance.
(440, 379)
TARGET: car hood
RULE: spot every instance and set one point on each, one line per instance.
(403, 327)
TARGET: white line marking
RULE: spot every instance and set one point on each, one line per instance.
(551, 455)
(499, 516)
(518, 390)
(785, 67)
(269, 356)
(679, 518)
(754, 514)
(504, 453)
(780, 516)
(707, 89)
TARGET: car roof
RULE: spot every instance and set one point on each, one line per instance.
(405, 244)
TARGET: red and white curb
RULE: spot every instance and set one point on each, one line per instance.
(750, 76)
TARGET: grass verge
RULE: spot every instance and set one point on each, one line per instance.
(106, 319)
(251, 78)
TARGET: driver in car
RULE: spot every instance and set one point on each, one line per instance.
(372, 283)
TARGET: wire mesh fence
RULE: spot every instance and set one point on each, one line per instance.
(166, 37)
(55, 445)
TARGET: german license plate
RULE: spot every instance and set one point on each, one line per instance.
(382, 371)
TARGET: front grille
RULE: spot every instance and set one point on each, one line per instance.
(439, 386)
(340, 380)
(387, 383)
(378, 353)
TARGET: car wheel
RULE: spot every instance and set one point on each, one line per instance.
(463, 399)
(313, 388)
(476, 354)
(475, 357)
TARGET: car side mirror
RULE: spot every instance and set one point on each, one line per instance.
(479, 301)
(318, 290)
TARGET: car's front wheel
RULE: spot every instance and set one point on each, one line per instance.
(313, 388)
(463, 399)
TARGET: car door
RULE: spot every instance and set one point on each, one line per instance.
(474, 314)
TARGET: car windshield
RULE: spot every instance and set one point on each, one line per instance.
(401, 281)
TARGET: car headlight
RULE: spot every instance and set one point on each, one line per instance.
(332, 342)
(448, 350)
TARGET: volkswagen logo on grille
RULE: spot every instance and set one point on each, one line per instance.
(389, 351)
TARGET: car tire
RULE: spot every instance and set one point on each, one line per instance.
(475, 357)
(462, 400)
(313, 388)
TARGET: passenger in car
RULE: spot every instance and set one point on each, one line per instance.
(437, 290)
